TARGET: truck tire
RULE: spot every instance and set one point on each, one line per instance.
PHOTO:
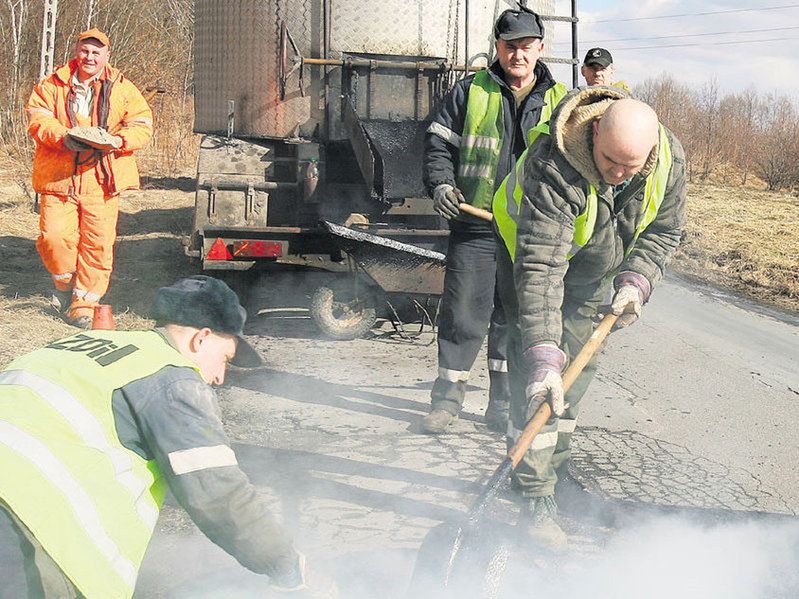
(340, 316)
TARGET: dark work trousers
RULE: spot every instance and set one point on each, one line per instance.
(536, 475)
(26, 570)
(469, 308)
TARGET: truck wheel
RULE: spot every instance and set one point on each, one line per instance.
(341, 316)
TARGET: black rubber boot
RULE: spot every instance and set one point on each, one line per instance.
(61, 301)
(80, 322)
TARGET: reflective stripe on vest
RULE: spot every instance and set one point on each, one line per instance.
(481, 141)
(90, 502)
(508, 199)
(656, 184)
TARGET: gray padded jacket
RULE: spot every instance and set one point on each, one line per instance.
(557, 172)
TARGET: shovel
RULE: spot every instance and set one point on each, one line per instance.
(453, 559)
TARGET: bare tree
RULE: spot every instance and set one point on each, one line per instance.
(748, 132)
(89, 13)
(675, 106)
(744, 130)
(20, 57)
(17, 10)
(709, 105)
(182, 15)
(669, 98)
(777, 156)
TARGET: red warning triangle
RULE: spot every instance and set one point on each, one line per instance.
(218, 251)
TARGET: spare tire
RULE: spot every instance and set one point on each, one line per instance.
(339, 315)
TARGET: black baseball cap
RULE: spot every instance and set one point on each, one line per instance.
(201, 301)
(598, 56)
(516, 24)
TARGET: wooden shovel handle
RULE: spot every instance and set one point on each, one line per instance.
(478, 212)
(543, 414)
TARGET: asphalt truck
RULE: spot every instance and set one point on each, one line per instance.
(314, 114)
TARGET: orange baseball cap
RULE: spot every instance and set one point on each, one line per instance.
(96, 34)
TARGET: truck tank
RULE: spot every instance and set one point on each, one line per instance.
(238, 56)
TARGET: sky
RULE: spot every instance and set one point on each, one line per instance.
(728, 49)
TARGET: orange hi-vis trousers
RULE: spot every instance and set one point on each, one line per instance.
(76, 241)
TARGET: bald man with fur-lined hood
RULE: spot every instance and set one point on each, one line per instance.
(597, 204)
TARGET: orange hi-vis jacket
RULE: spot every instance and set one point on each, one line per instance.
(117, 102)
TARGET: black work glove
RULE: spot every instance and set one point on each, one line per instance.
(74, 145)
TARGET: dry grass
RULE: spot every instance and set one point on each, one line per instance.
(745, 240)
(25, 320)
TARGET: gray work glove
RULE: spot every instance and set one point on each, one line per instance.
(544, 364)
(302, 583)
(632, 291)
(446, 200)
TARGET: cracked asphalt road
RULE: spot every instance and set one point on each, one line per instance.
(694, 405)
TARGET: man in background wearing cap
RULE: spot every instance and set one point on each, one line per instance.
(95, 427)
(598, 69)
(479, 132)
(87, 119)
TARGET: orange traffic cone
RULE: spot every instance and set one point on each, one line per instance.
(103, 318)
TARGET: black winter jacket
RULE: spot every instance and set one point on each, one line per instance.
(441, 156)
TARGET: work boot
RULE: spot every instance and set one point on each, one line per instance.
(61, 301)
(438, 421)
(496, 416)
(81, 322)
(538, 522)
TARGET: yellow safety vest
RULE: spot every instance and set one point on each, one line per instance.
(90, 502)
(481, 140)
(508, 199)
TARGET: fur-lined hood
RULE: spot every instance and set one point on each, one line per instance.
(572, 131)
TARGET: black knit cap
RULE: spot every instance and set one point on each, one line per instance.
(200, 301)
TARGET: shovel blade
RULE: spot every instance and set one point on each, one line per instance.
(463, 562)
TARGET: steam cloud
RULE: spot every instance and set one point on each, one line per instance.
(669, 558)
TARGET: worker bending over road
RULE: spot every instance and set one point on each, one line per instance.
(598, 200)
(87, 120)
(473, 142)
(95, 427)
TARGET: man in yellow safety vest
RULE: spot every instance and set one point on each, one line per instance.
(95, 427)
(478, 133)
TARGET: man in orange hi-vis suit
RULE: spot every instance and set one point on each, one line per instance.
(79, 184)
